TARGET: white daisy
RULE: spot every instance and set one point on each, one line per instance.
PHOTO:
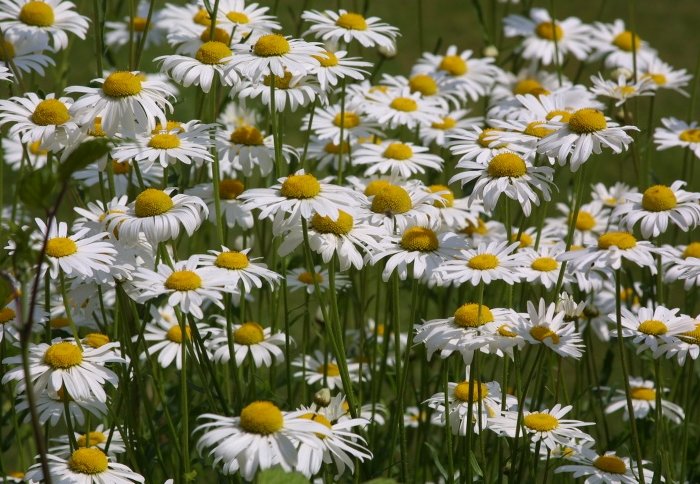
(643, 395)
(678, 133)
(291, 91)
(542, 267)
(323, 368)
(235, 14)
(689, 345)
(650, 66)
(208, 64)
(123, 174)
(657, 329)
(328, 121)
(246, 148)
(85, 465)
(14, 154)
(616, 44)
(96, 438)
(398, 206)
(300, 278)
(233, 211)
(456, 213)
(611, 196)
(118, 34)
(26, 53)
(623, 89)
(475, 144)
(248, 338)
(604, 469)
(335, 66)
(348, 26)
(237, 268)
(51, 409)
(395, 158)
(47, 121)
(456, 121)
(401, 107)
(488, 262)
(610, 250)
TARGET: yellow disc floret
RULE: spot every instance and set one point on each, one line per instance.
(7, 50)
(424, 84)
(96, 340)
(212, 52)
(63, 355)
(152, 202)
(540, 422)
(308, 278)
(351, 21)
(447, 198)
(471, 315)
(61, 247)
(446, 123)
(537, 130)
(391, 199)
(174, 334)
(232, 260)
(404, 104)
(262, 418)
(454, 65)
(690, 135)
(247, 135)
(549, 31)
(164, 141)
(611, 464)
(542, 333)
(6, 315)
(249, 333)
(653, 327)
(643, 393)
(89, 461)
(506, 165)
(692, 250)
(37, 14)
(122, 84)
(348, 120)
(658, 198)
(585, 221)
(627, 41)
(230, 188)
(483, 262)
(50, 112)
(326, 225)
(327, 59)
(184, 280)
(95, 438)
(271, 45)
(479, 391)
(544, 264)
(300, 187)
(621, 240)
(398, 151)
(238, 18)
(420, 239)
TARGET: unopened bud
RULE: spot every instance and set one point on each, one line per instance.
(490, 51)
(621, 71)
(388, 51)
(322, 398)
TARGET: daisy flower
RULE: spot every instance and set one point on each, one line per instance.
(621, 90)
(548, 325)
(603, 469)
(291, 91)
(413, 417)
(542, 267)
(127, 103)
(678, 133)
(456, 121)
(233, 211)
(475, 144)
(26, 53)
(593, 219)
(159, 216)
(616, 44)
(401, 107)
(5, 74)
(323, 368)
(689, 345)
(330, 26)
(75, 255)
(610, 250)
(96, 438)
(335, 66)
(261, 437)
(248, 338)
(327, 123)
(43, 20)
(276, 54)
(165, 338)
(209, 63)
(473, 76)
(585, 133)
(299, 196)
(51, 408)
(245, 18)
(346, 237)
(662, 75)
(187, 144)
(546, 426)
(430, 86)
(611, 196)
(455, 213)
(118, 34)
(85, 465)
(396, 207)
(237, 268)
(509, 174)
(421, 247)
(302, 279)
(657, 206)
(122, 172)
(47, 121)
(657, 329)
(396, 159)
(246, 147)
(540, 32)
(643, 395)
(488, 262)
(185, 284)
(82, 371)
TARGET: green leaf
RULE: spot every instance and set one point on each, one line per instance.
(37, 188)
(436, 457)
(381, 480)
(7, 290)
(82, 156)
(276, 475)
(475, 465)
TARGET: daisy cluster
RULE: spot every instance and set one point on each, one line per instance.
(232, 288)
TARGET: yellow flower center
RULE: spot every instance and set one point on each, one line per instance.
(238, 17)
(271, 45)
(183, 281)
(230, 188)
(627, 41)
(122, 84)
(59, 322)
(454, 65)
(202, 17)
(16, 474)
(120, 167)
(7, 50)
(611, 464)
(37, 14)
(544, 264)
(174, 334)
(398, 151)
(485, 138)
(375, 186)
(536, 129)
(540, 422)
(446, 123)
(7, 315)
(96, 129)
(653, 327)
(447, 198)
(95, 439)
(542, 332)
(658, 198)
(247, 135)
(280, 82)
(300, 187)
(505, 331)
(212, 52)
(587, 120)
(326, 225)
(469, 316)
(170, 125)
(327, 59)
(351, 21)
(220, 35)
(690, 135)
(404, 104)
(96, 340)
(262, 418)
(391, 199)
(692, 250)
(479, 391)
(585, 221)
(525, 239)
(89, 461)
(626, 90)
(527, 86)
(423, 84)
(249, 334)
(232, 260)
(63, 355)
(331, 369)
(483, 262)
(152, 202)
(61, 247)
(335, 149)
(506, 165)
(621, 240)
(643, 393)
(348, 120)
(308, 278)
(319, 419)
(50, 111)
(549, 31)
(419, 239)
(691, 337)
(659, 79)
(139, 24)
(564, 116)
(164, 141)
